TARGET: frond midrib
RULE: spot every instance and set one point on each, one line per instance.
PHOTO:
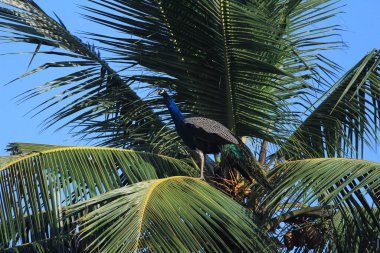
(71, 148)
(231, 123)
(147, 197)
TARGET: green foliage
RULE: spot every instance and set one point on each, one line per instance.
(242, 60)
(89, 94)
(175, 214)
(35, 187)
(346, 187)
(257, 66)
(242, 63)
(346, 119)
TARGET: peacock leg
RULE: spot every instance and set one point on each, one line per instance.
(201, 160)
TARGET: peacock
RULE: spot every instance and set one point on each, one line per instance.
(207, 136)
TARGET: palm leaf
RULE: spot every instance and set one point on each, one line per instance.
(59, 244)
(348, 238)
(241, 63)
(346, 187)
(91, 107)
(176, 214)
(6, 159)
(35, 187)
(27, 148)
(346, 119)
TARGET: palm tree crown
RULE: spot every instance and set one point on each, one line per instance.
(256, 66)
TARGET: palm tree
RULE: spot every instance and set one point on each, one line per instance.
(258, 67)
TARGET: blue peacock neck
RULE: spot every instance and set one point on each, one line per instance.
(174, 111)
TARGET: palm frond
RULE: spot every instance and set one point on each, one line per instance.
(349, 238)
(35, 187)
(98, 103)
(346, 120)
(176, 214)
(348, 188)
(27, 148)
(241, 63)
(7, 159)
(60, 244)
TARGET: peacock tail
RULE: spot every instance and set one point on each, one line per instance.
(239, 157)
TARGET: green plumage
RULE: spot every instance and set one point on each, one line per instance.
(233, 150)
(240, 158)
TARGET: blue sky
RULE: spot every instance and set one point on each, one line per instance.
(360, 20)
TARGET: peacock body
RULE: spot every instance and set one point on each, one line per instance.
(207, 136)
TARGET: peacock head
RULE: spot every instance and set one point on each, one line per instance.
(163, 93)
(173, 108)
